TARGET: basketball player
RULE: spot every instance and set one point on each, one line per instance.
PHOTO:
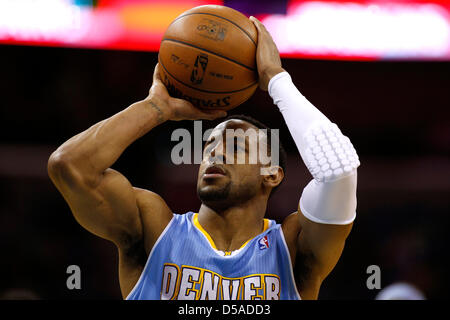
(226, 249)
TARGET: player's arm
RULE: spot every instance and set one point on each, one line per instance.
(101, 199)
(327, 205)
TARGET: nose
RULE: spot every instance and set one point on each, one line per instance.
(217, 154)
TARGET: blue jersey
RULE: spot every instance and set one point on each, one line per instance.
(185, 264)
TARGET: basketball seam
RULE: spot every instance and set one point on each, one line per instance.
(209, 51)
(202, 90)
(215, 15)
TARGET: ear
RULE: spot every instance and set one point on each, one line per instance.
(272, 176)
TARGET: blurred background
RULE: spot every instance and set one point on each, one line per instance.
(379, 69)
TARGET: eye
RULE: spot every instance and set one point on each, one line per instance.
(208, 148)
(236, 145)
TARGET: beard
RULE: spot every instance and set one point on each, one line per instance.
(226, 196)
(214, 194)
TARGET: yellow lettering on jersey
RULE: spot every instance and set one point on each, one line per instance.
(252, 285)
(231, 288)
(209, 286)
(271, 287)
(197, 283)
(169, 286)
(190, 276)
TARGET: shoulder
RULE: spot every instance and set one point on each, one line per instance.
(153, 203)
(291, 228)
(145, 196)
(155, 215)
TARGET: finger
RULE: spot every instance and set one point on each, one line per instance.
(254, 19)
(258, 24)
(210, 114)
(213, 114)
(196, 113)
(156, 75)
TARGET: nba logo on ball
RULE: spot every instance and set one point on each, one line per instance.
(208, 57)
(263, 243)
(199, 69)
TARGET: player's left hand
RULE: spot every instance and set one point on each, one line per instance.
(267, 55)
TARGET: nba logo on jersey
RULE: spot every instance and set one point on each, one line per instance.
(263, 243)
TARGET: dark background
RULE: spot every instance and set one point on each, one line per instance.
(396, 114)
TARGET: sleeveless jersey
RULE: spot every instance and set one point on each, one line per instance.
(184, 264)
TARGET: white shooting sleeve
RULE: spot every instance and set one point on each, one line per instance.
(330, 198)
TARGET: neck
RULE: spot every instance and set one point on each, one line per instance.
(231, 227)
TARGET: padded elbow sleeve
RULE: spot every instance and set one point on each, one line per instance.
(329, 156)
(332, 160)
(330, 202)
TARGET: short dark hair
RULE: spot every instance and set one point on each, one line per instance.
(281, 152)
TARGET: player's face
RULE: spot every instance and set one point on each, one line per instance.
(229, 173)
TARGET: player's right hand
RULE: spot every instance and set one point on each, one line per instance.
(267, 55)
(177, 109)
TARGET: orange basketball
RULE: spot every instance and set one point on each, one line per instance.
(208, 57)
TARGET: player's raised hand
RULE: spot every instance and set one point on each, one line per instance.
(174, 108)
(267, 55)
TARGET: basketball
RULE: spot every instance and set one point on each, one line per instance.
(208, 57)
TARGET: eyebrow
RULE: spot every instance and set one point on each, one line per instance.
(246, 138)
(246, 145)
(207, 142)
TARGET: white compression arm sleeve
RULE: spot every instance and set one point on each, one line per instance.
(330, 197)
